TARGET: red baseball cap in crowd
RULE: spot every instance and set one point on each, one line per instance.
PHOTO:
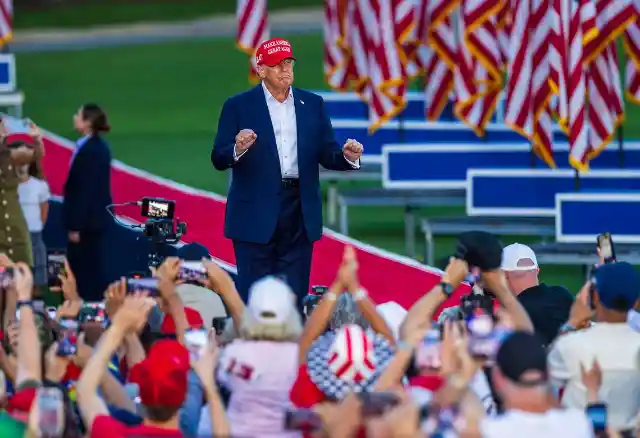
(162, 376)
(194, 319)
(273, 52)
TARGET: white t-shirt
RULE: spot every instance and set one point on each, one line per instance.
(259, 375)
(556, 423)
(32, 194)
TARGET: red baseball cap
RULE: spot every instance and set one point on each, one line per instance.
(162, 375)
(273, 52)
(194, 319)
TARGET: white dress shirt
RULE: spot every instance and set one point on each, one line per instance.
(32, 194)
(285, 129)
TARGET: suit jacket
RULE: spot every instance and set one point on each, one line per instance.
(87, 191)
(253, 204)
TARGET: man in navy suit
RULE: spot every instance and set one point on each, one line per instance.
(274, 137)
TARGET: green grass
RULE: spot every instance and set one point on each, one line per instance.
(164, 101)
(94, 13)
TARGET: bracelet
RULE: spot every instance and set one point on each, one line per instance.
(360, 295)
(330, 296)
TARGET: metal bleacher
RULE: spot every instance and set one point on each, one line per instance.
(504, 187)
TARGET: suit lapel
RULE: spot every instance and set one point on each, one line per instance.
(265, 120)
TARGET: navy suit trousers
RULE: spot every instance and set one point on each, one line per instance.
(287, 254)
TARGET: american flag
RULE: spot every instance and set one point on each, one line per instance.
(568, 70)
(253, 29)
(438, 54)
(632, 49)
(478, 76)
(337, 58)
(528, 89)
(6, 21)
(604, 101)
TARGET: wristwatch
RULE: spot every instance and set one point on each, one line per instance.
(566, 328)
(447, 288)
(22, 303)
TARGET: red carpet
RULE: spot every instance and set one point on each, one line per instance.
(387, 276)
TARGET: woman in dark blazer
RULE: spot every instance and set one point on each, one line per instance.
(87, 193)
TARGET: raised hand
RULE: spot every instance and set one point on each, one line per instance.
(244, 140)
(352, 149)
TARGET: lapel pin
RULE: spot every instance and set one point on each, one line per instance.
(302, 102)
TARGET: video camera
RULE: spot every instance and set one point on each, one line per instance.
(160, 226)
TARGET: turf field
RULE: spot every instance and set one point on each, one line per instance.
(164, 101)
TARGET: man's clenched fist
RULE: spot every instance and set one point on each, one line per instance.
(244, 140)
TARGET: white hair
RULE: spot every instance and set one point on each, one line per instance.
(290, 330)
(346, 312)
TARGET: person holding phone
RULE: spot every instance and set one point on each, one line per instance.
(16, 150)
(87, 193)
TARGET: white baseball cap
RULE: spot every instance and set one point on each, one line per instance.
(516, 253)
(393, 314)
(271, 300)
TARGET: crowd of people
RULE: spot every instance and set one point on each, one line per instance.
(516, 357)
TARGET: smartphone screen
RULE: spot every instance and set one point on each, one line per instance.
(605, 244)
(482, 342)
(192, 271)
(55, 267)
(92, 312)
(597, 413)
(148, 284)
(196, 342)
(50, 411)
(304, 420)
(68, 337)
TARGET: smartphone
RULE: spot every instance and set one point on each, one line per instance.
(50, 411)
(597, 413)
(6, 277)
(146, 284)
(483, 343)
(192, 271)
(219, 323)
(605, 244)
(68, 337)
(196, 342)
(92, 312)
(428, 352)
(377, 403)
(55, 267)
(157, 208)
(304, 420)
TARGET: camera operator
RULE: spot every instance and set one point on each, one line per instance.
(547, 306)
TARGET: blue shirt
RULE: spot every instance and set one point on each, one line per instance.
(81, 142)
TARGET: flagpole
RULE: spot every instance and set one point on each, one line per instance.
(620, 130)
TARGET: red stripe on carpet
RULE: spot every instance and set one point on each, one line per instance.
(387, 278)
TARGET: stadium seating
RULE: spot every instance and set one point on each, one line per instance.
(614, 212)
(426, 166)
(532, 192)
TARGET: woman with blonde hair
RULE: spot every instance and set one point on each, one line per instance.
(260, 366)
